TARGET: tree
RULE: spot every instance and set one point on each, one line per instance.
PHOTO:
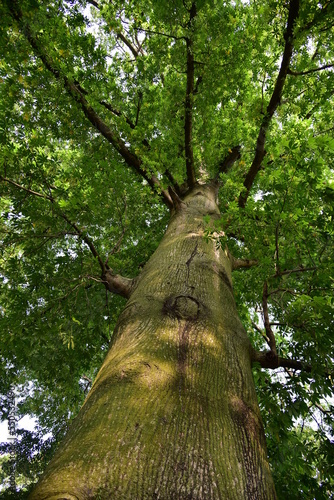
(150, 150)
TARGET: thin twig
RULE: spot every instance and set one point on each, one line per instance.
(297, 73)
(35, 193)
(150, 32)
(297, 270)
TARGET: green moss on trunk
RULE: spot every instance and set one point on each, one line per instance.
(173, 411)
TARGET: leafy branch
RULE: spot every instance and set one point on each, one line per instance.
(62, 214)
(135, 51)
(78, 95)
(322, 13)
(270, 359)
(167, 35)
(226, 164)
(30, 191)
(297, 73)
(113, 282)
(188, 123)
(273, 103)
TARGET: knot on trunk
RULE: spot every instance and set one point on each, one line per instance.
(182, 307)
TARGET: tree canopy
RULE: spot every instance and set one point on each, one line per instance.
(110, 111)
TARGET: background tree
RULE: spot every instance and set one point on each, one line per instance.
(113, 116)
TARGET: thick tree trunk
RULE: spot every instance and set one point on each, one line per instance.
(173, 412)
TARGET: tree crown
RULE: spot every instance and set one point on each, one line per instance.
(111, 112)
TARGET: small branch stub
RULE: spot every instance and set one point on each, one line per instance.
(243, 263)
(118, 284)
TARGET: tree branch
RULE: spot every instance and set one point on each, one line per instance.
(76, 92)
(119, 34)
(243, 263)
(35, 193)
(95, 4)
(173, 182)
(84, 238)
(118, 284)
(269, 332)
(226, 164)
(105, 104)
(191, 178)
(297, 73)
(267, 360)
(150, 32)
(197, 84)
(273, 104)
(297, 270)
(113, 282)
(78, 231)
(118, 113)
(135, 52)
(276, 255)
(319, 15)
(116, 247)
(140, 97)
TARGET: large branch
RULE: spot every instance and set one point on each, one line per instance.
(113, 110)
(113, 282)
(267, 360)
(273, 104)
(191, 178)
(76, 92)
(135, 52)
(226, 164)
(118, 113)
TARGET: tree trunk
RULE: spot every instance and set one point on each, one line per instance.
(173, 412)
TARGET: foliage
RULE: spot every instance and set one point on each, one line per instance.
(68, 189)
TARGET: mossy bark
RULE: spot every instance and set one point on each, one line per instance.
(173, 412)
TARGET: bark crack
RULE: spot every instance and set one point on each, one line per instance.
(193, 253)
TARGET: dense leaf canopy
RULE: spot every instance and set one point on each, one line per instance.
(104, 106)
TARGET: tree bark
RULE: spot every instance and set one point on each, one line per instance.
(173, 412)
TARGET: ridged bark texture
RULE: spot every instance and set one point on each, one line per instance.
(173, 412)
